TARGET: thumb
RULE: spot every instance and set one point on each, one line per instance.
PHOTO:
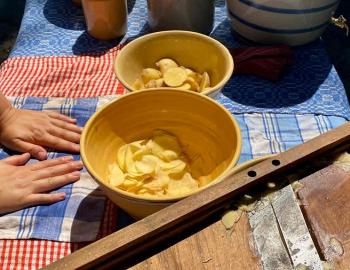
(17, 160)
(36, 151)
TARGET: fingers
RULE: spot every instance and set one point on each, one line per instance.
(48, 184)
(58, 170)
(62, 117)
(66, 126)
(65, 134)
(59, 143)
(35, 199)
(18, 159)
(36, 151)
(49, 163)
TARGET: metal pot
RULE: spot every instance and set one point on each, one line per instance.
(191, 15)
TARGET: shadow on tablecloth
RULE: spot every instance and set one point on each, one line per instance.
(74, 20)
(86, 44)
(74, 15)
(131, 4)
(88, 205)
(299, 84)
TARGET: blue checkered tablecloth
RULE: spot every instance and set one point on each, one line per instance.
(78, 217)
(57, 27)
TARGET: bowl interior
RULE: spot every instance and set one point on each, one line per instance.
(206, 131)
(189, 49)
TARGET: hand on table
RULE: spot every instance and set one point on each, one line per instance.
(31, 131)
(23, 186)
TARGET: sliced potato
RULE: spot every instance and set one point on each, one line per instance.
(116, 176)
(183, 186)
(148, 74)
(138, 84)
(174, 77)
(231, 217)
(155, 83)
(169, 155)
(128, 183)
(166, 63)
(188, 71)
(194, 75)
(170, 74)
(185, 86)
(146, 165)
(205, 83)
(121, 157)
(155, 166)
(193, 83)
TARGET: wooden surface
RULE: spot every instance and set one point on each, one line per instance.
(200, 251)
(150, 231)
(271, 237)
(325, 199)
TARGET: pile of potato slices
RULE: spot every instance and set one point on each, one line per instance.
(171, 74)
(156, 167)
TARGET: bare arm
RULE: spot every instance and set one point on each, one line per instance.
(4, 104)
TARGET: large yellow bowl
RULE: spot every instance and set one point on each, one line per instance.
(192, 50)
(202, 125)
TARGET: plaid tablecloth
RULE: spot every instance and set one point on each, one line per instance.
(66, 76)
(310, 106)
(35, 254)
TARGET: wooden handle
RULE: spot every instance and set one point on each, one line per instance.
(123, 244)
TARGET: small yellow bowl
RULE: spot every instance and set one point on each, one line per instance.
(202, 126)
(192, 50)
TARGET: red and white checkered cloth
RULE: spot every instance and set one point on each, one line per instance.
(60, 76)
(35, 254)
(75, 77)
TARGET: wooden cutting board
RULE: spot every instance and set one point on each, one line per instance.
(325, 200)
(211, 248)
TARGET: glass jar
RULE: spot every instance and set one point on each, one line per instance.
(105, 19)
(191, 15)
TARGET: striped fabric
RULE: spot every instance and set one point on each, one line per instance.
(15, 255)
(266, 133)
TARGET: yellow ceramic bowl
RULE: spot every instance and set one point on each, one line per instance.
(201, 125)
(193, 50)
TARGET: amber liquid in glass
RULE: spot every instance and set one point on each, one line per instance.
(105, 19)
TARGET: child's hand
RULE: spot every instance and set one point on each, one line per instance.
(23, 186)
(31, 131)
